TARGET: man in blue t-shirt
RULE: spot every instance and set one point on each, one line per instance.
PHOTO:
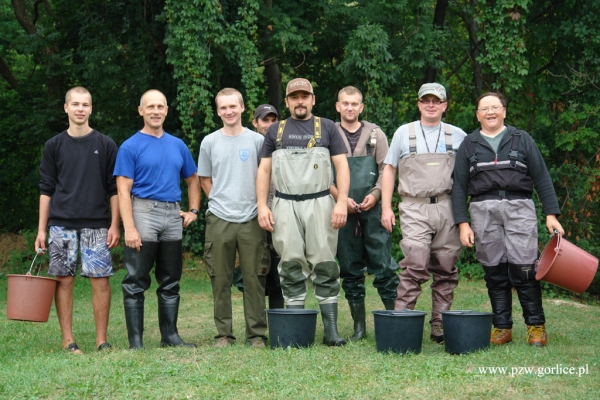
(149, 167)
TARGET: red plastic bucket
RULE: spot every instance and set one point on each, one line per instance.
(29, 297)
(566, 265)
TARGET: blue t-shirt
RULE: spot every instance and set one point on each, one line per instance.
(156, 165)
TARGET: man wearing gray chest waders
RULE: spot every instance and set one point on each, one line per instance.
(298, 154)
(423, 153)
(364, 244)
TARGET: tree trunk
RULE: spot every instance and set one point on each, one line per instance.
(439, 17)
(272, 72)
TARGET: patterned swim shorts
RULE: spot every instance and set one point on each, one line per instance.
(63, 243)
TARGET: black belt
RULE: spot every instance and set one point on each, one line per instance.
(501, 195)
(302, 197)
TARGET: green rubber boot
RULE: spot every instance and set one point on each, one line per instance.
(357, 310)
(329, 314)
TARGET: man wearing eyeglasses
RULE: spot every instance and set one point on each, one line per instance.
(363, 244)
(423, 154)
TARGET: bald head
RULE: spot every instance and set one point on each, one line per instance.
(78, 90)
(152, 93)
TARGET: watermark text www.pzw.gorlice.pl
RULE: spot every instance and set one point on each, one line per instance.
(558, 369)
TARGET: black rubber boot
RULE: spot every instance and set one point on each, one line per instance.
(167, 319)
(329, 314)
(499, 291)
(168, 273)
(389, 303)
(357, 310)
(135, 283)
(529, 290)
(134, 318)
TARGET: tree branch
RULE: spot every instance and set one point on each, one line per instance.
(22, 17)
(7, 75)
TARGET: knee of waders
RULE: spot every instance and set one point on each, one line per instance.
(496, 276)
(292, 279)
(520, 273)
(327, 283)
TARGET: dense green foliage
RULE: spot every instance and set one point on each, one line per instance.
(543, 54)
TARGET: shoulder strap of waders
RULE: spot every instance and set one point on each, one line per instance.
(470, 153)
(316, 139)
(372, 142)
(448, 136)
(412, 139)
(280, 133)
(514, 148)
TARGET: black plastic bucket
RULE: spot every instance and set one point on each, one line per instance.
(466, 330)
(399, 331)
(292, 327)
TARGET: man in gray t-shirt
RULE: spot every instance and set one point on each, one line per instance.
(423, 154)
(227, 167)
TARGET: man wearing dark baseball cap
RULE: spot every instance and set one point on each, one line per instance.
(300, 152)
(264, 116)
(423, 153)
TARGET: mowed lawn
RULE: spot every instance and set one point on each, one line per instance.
(32, 364)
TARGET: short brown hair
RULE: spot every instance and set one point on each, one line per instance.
(494, 94)
(77, 89)
(350, 90)
(229, 92)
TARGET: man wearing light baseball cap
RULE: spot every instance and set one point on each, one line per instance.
(423, 154)
(264, 116)
(300, 152)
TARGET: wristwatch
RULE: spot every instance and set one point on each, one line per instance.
(193, 210)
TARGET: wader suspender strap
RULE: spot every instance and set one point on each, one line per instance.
(316, 139)
(470, 153)
(371, 142)
(448, 136)
(514, 149)
(412, 140)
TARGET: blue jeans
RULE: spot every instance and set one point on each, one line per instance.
(156, 220)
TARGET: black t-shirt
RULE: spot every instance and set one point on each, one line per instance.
(297, 134)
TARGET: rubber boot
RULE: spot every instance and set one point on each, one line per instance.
(329, 314)
(357, 310)
(134, 318)
(295, 307)
(499, 292)
(168, 273)
(135, 283)
(167, 319)
(388, 303)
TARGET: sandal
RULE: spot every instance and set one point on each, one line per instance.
(73, 348)
(104, 346)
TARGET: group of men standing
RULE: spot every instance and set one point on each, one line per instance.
(286, 201)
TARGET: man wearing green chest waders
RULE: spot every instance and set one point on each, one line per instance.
(298, 154)
(363, 244)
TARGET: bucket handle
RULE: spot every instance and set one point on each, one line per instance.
(40, 251)
(557, 248)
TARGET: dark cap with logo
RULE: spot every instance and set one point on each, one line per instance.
(297, 85)
(263, 110)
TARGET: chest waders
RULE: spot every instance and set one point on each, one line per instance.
(302, 234)
(430, 241)
(505, 226)
(364, 245)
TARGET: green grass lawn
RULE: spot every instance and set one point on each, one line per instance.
(32, 364)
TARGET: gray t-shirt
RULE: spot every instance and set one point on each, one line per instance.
(400, 148)
(494, 141)
(231, 162)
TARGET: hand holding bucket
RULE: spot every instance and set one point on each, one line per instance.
(566, 265)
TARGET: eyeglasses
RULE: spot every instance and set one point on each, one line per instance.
(494, 109)
(435, 102)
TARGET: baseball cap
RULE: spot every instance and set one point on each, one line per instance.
(263, 110)
(433, 88)
(298, 84)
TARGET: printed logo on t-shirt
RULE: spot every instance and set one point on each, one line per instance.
(244, 154)
(441, 147)
(96, 152)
